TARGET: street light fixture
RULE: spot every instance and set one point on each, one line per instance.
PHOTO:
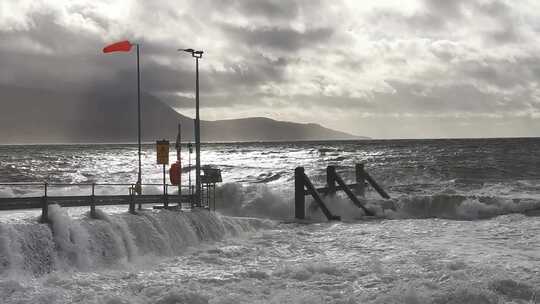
(197, 55)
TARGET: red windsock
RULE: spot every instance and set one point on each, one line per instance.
(122, 46)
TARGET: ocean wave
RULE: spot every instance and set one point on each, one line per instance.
(109, 240)
(457, 207)
(256, 200)
(444, 206)
(278, 203)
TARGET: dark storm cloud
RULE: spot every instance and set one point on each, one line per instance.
(452, 9)
(435, 57)
(58, 57)
(267, 8)
(441, 18)
(254, 70)
(285, 39)
(50, 56)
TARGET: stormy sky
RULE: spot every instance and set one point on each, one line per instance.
(385, 69)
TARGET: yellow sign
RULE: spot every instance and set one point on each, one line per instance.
(162, 148)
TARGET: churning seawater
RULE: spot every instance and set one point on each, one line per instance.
(464, 227)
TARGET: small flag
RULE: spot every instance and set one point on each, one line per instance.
(122, 46)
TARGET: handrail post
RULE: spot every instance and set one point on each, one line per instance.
(92, 202)
(45, 205)
(299, 197)
(131, 200)
(140, 204)
(360, 180)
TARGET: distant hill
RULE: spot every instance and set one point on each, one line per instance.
(41, 116)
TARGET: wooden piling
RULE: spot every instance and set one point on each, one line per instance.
(299, 198)
(330, 181)
(360, 180)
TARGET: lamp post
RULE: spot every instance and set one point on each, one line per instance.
(197, 55)
(125, 46)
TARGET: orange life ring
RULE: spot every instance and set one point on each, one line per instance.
(175, 172)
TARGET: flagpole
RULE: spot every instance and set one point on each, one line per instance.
(139, 177)
(125, 46)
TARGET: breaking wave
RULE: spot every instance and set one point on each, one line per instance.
(109, 240)
(459, 207)
(267, 202)
(455, 207)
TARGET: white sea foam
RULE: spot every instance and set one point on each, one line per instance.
(268, 202)
(84, 243)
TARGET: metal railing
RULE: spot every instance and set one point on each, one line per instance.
(91, 199)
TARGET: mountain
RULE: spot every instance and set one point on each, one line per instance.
(265, 129)
(103, 115)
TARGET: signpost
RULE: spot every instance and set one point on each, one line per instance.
(162, 148)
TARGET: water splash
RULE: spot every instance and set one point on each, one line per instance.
(110, 240)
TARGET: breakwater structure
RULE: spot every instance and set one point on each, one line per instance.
(334, 183)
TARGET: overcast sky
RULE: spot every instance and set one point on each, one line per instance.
(385, 68)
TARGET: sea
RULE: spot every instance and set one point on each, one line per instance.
(462, 226)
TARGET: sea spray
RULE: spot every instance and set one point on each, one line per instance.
(266, 202)
(26, 248)
(11, 259)
(254, 200)
(457, 207)
(85, 243)
(71, 239)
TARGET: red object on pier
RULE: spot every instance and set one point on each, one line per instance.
(174, 173)
(122, 46)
